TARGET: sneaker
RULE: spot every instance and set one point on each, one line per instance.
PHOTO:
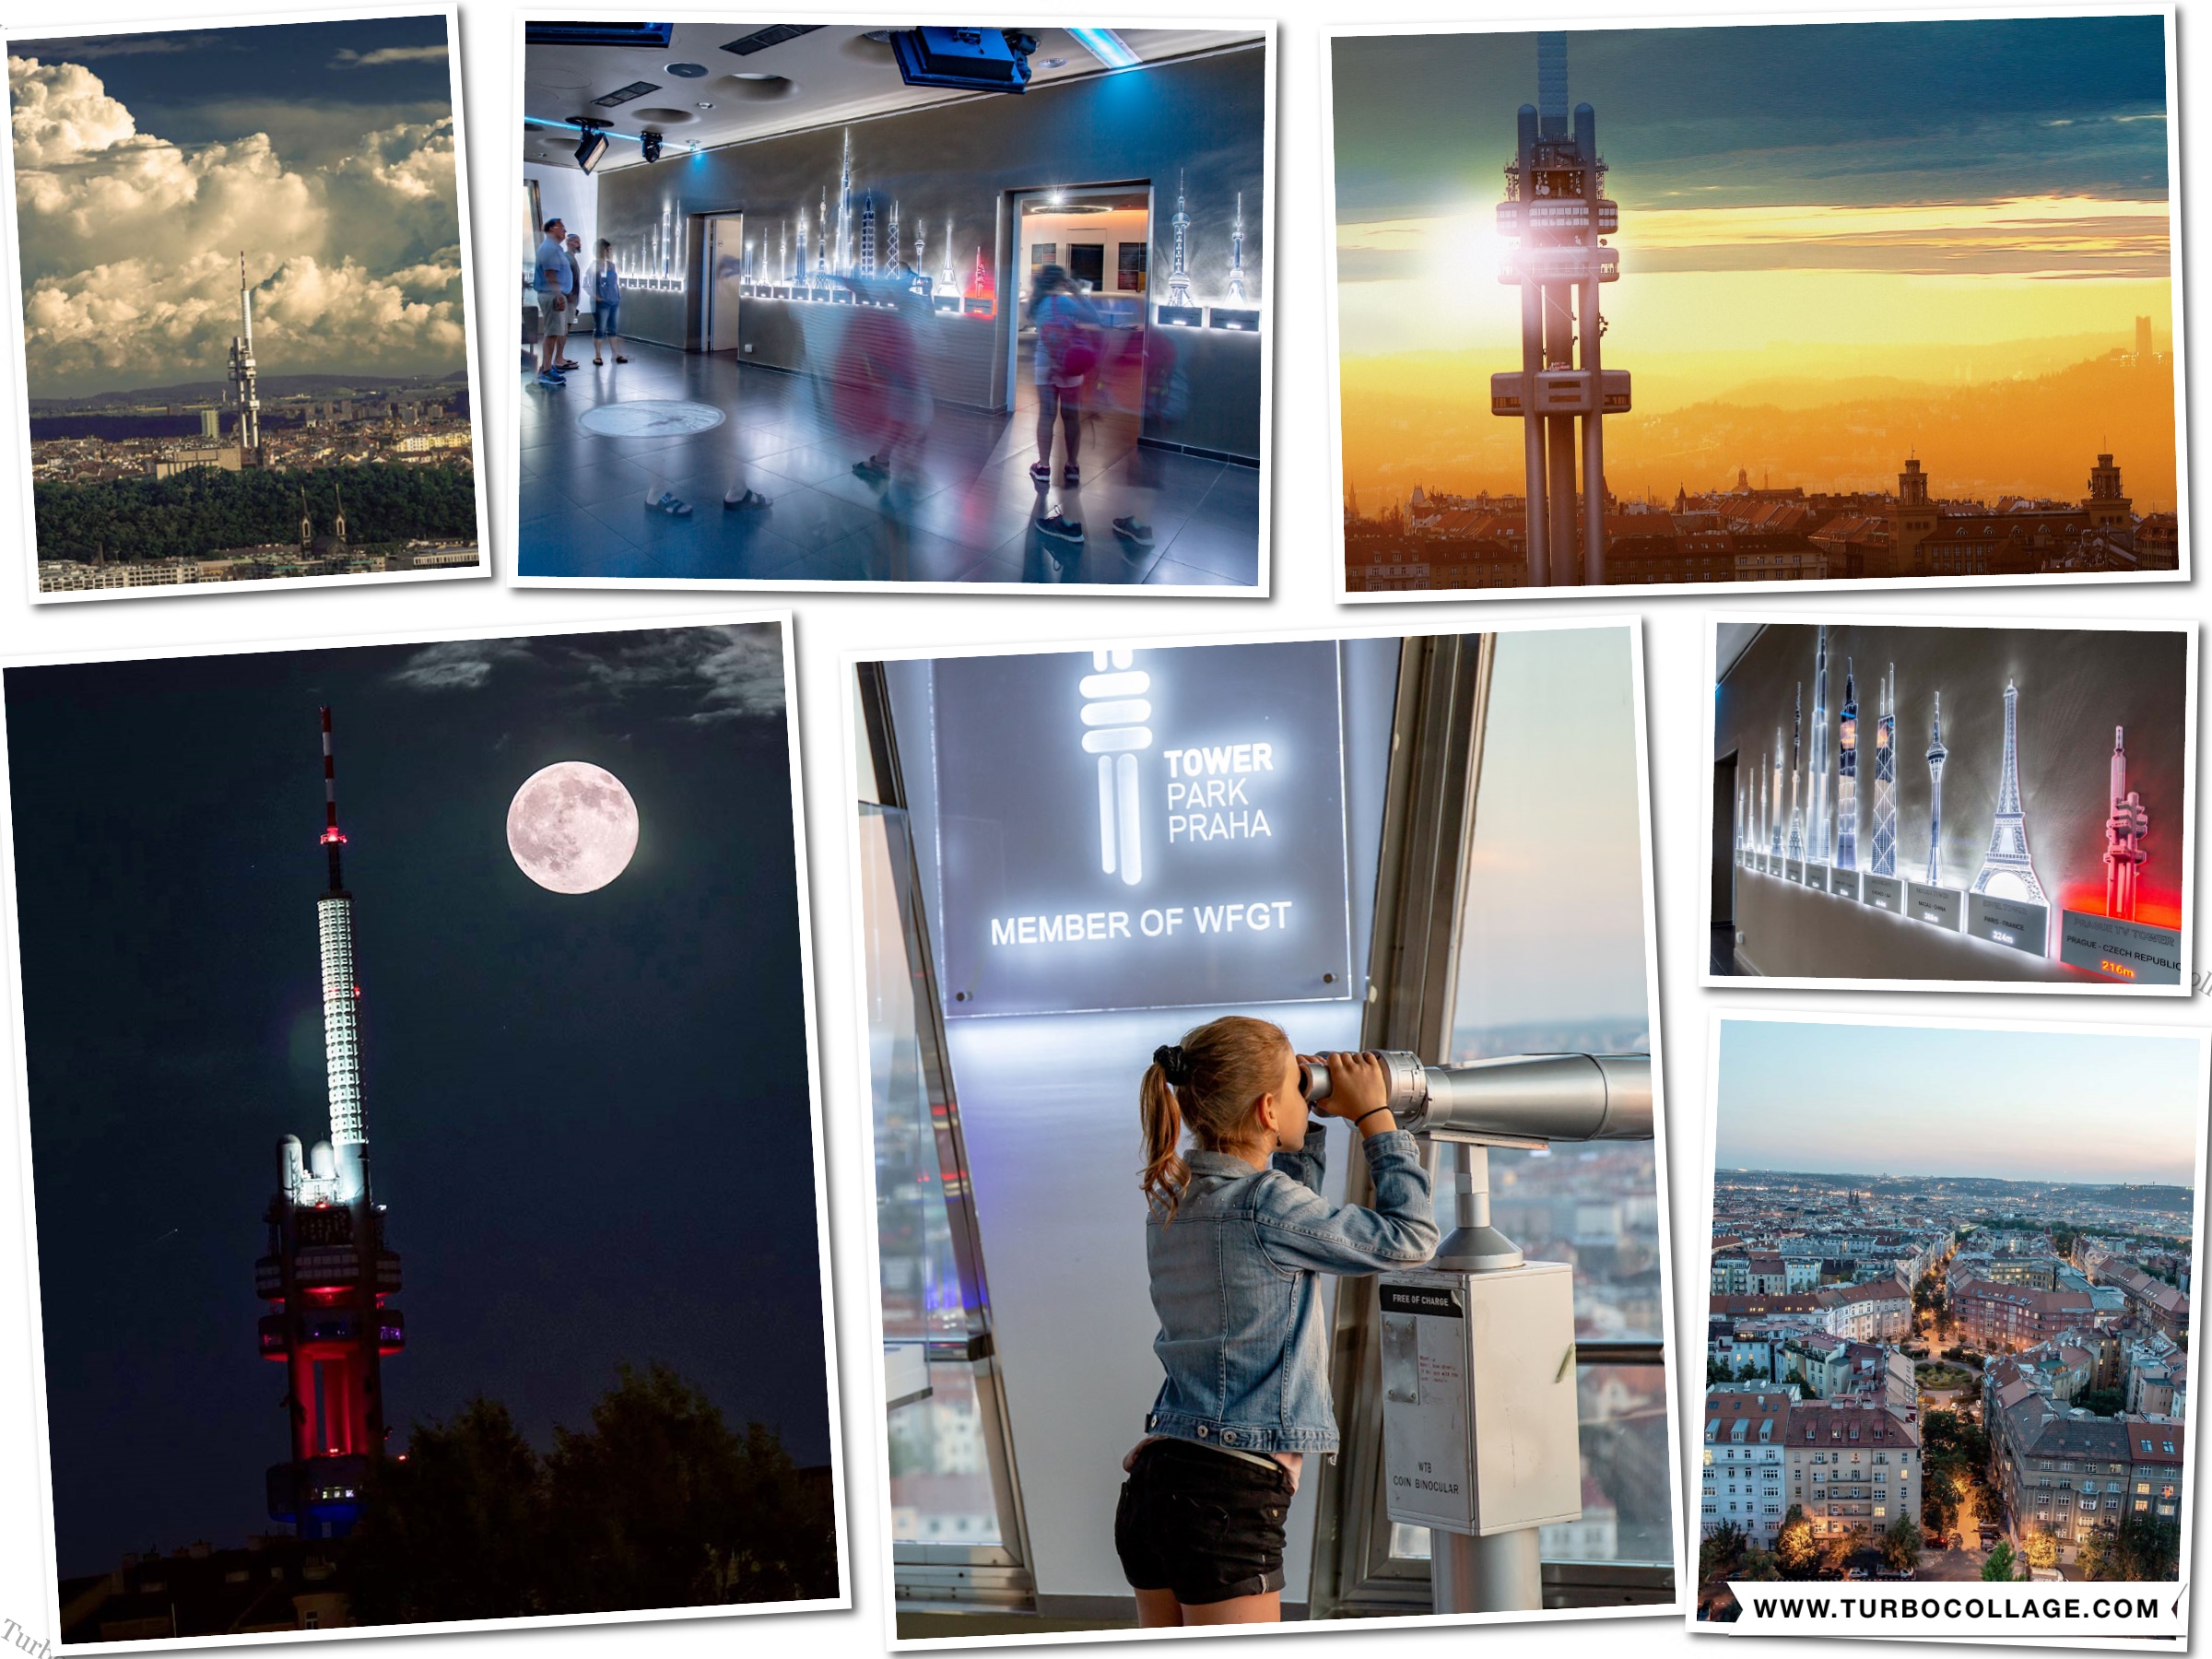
(551, 380)
(1059, 529)
(748, 499)
(1134, 530)
(666, 502)
(1041, 475)
(873, 470)
(1070, 477)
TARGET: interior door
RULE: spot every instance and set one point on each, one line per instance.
(725, 274)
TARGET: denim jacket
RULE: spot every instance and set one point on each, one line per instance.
(1235, 1281)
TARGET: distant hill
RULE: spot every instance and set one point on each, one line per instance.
(271, 386)
(1997, 1193)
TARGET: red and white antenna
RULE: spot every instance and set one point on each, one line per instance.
(332, 837)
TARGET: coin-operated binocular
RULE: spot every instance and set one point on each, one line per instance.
(1480, 1440)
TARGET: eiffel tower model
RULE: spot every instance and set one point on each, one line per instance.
(2005, 865)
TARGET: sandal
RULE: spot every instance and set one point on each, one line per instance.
(667, 502)
(751, 499)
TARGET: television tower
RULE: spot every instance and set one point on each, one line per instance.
(1178, 264)
(1847, 777)
(245, 377)
(1796, 772)
(1816, 785)
(1556, 213)
(327, 1273)
(1774, 816)
(1885, 779)
(867, 234)
(844, 211)
(1937, 754)
(1236, 255)
(2125, 828)
(893, 247)
(2006, 867)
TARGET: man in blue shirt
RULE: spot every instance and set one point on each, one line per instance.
(551, 285)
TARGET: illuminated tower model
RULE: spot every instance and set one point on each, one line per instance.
(1555, 213)
(784, 250)
(1179, 261)
(327, 1273)
(948, 281)
(981, 284)
(893, 248)
(1885, 780)
(1937, 754)
(821, 244)
(844, 212)
(1847, 777)
(1797, 772)
(867, 234)
(245, 377)
(1774, 812)
(920, 249)
(805, 283)
(2125, 827)
(1816, 785)
(1115, 712)
(1236, 255)
(2006, 871)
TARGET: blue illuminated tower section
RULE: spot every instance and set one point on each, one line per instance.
(1885, 779)
(327, 1275)
(1847, 776)
(2007, 870)
(1117, 714)
(1937, 754)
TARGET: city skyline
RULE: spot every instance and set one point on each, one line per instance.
(145, 163)
(1825, 228)
(2013, 1104)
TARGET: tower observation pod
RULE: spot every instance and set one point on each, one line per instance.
(327, 1275)
(1555, 214)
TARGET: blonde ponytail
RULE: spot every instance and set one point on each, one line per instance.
(1214, 1076)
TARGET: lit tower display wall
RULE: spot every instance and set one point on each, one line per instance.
(2007, 871)
(1885, 779)
(2125, 827)
(327, 1275)
(1847, 776)
(1556, 213)
(245, 376)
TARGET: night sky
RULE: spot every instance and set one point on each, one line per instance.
(588, 1115)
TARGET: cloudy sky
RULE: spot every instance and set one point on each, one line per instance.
(2015, 1103)
(145, 163)
(1932, 182)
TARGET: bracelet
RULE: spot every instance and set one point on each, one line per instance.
(1371, 1111)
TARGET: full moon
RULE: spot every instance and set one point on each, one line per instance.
(572, 826)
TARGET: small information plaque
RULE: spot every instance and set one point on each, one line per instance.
(2010, 922)
(1792, 869)
(1884, 892)
(2133, 952)
(1934, 905)
(1845, 884)
(1815, 878)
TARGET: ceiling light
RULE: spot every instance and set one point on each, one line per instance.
(1108, 47)
(706, 103)
(686, 71)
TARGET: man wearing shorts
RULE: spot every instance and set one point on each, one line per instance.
(551, 286)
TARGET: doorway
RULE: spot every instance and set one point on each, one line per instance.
(1101, 236)
(726, 267)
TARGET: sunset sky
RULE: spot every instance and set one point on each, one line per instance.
(2007, 1102)
(1809, 215)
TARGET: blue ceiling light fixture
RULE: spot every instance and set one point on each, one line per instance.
(1108, 47)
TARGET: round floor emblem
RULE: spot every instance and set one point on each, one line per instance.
(650, 417)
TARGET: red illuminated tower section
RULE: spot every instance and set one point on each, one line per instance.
(328, 1273)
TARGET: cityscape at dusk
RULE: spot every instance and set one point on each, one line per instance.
(1826, 250)
(1948, 1304)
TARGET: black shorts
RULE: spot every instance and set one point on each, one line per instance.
(1206, 1525)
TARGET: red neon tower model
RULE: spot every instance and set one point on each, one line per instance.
(327, 1272)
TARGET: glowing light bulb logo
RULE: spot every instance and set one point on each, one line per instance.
(1115, 729)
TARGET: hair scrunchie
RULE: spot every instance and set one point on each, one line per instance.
(1172, 1067)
